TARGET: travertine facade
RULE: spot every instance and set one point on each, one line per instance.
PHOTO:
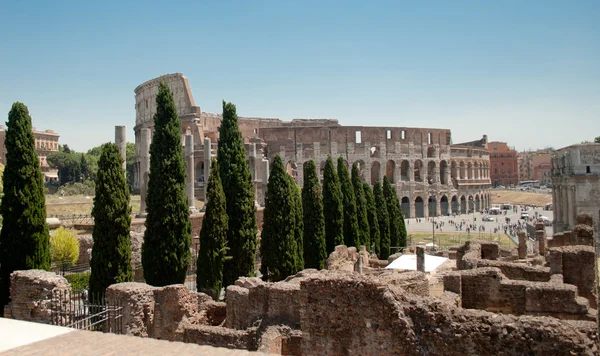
(576, 183)
(431, 175)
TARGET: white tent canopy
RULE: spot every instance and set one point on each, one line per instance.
(409, 262)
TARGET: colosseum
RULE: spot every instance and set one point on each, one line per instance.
(431, 175)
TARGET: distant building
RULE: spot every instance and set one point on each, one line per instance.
(535, 165)
(46, 142)
(503, 160)
(525, 165)
(576, 181)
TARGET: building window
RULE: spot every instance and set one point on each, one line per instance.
(587, 169)
(358, 138)
(388, 134)
(403, 134)
(429, 138)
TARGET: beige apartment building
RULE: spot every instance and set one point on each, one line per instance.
(535, 165)
(46, 142)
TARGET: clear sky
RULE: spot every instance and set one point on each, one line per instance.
(525, 72)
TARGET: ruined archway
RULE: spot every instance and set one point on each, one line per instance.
(404, 170)
(405, 205)
(292, 169)
(390, 167)
(361, 169)
(430, 152)
(444, 172)
(432, 204)
(431, 173)
(419, 207)
(444, 206)
(463, 204)
(455, 206)
(375, 172)
(418, 168)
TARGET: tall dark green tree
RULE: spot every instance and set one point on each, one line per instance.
(361, 208)
(351, 230)
(372, 217)
(111, 253)
(397, 228)
(24, 239)
(298, 221)
(166, 248)
(239, 196)
(315, 252)
(384, 222)
(333, 207)
(213, 238)
(84, 167)
(278, 247)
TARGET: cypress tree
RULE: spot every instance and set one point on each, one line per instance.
(384, 222)
(361, 208)
(372, 217)
(397, 237)
(239, 197)
(166, 248)
(111, 253)
(333, 207)
(298, 222)
(213, 238)
(24, 239)
(278, 246)
(315, 253)
(351, 232)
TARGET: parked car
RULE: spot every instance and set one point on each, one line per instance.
(524, 215)
(488, 218)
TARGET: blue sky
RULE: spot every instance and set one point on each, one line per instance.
(524, 72)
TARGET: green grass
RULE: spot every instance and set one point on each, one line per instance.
(447, 239)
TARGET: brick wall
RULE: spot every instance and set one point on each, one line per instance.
(575, 263)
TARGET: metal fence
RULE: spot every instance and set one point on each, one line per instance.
(86, 312)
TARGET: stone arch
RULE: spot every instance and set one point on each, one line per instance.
(455, 205)
(476, 170)
(375, 172)
(462, 170)
(431, 173)
(430, 152)
(418, 170)
(361, 169)
(419, 207)
(292, 169)
(471, 206)
(390, 167)
(469, 170)
(444, 172)
(477, 203)
(432, 204)
(463, 204)
(444, 206)
(454, 174)
(199, 172)
(405, 205)
(404, 170)
(321, 172)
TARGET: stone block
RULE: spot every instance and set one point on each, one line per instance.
(137, 300)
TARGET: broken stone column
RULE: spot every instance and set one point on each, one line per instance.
(207, 162)
(145, 138)
(189, 162)
(540, 236)
(522, 244)
(420, 259)
(121, 141)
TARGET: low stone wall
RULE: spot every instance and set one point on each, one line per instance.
(518, 271)
(33, 292)
(576, 265)
(355, 315)
(488, 289)
(219, 336)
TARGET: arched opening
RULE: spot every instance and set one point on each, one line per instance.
(375, 172)
(431, 176)
(390, 167)
(462, 170)
(417, 170)
(463, 205)
(430, 152)
(454, 203)
(404, 169)
(469, 170)
(477, 206)
(444, 206)
(444, 172)
(419, 207)
(432, 204)
(361, 169)
(321, 171)
(471, 204)
(405, 205)
(292, 169)
(199, 172)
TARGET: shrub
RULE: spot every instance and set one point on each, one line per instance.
(64, 247)
(78, 281)
(86, 188)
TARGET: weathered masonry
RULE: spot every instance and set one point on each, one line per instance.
(431, 175)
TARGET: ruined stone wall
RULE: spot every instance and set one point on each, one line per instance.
(33, 293)
(370, 319)
(575, 264)
(518, 271)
